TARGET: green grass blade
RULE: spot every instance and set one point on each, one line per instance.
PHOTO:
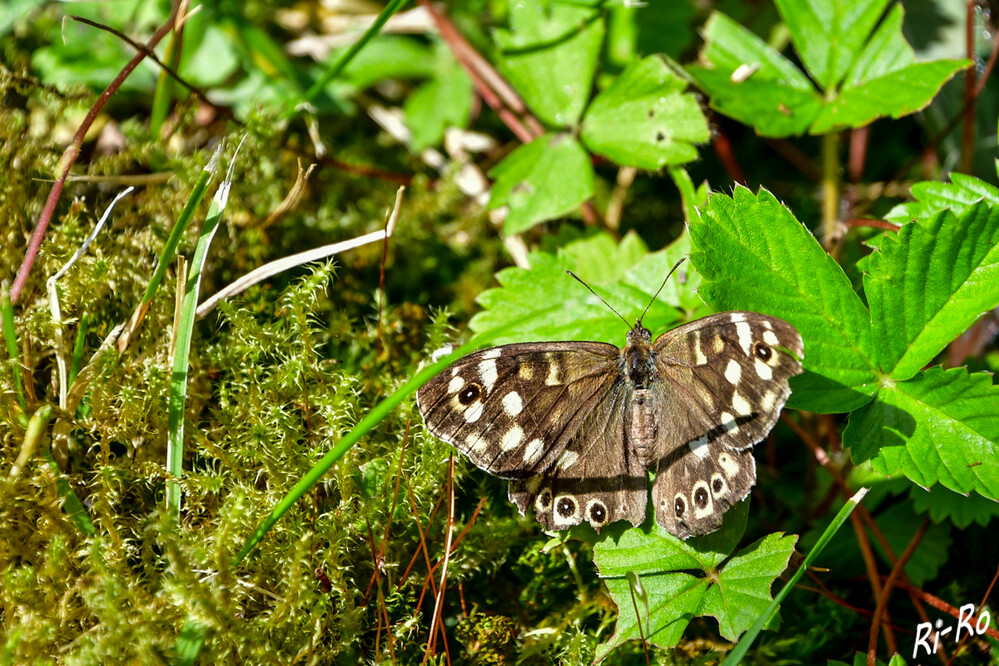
(181, 354)
(736, 655)
(173, 240)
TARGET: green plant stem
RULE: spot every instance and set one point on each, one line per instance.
(10, 336)
(831, 231)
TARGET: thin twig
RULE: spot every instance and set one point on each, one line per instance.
(882, 607)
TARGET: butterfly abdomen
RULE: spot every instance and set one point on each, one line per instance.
(642, 426)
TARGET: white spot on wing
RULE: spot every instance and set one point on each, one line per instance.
(763, 370)
(768, 401)
(475, 444)
(552, 378)
(737, 317)
(741, 405)
(770, 338)
(733, 371)
(699, 446)
(718, 344)
(455, 385)
(728, 464)
(473, 413)
(512, 404)
(532, 453)
(745, 334)
(491, 353)
(512, 439)
(567, 460)
(728, 422)
(487, 372)
(699, 357)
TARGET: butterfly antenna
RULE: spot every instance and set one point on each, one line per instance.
(671, 271)
(580, 280)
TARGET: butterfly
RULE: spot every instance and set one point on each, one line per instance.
(577, 426)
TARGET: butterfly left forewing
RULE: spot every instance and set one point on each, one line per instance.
(513, 409)
(724, 382)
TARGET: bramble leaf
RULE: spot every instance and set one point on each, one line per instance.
(547, 43)
(938, 427)
(929, 284)
(753, 255)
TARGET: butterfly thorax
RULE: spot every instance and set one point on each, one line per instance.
(639, 358)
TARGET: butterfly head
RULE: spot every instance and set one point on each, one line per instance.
(639, 334)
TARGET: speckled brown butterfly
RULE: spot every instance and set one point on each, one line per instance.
(577, 425)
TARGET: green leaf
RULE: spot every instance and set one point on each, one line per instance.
(753, 255)
(645, 118)
(938, 427)
(899, 523)
(733, 590)
(777, 99)
(886, 80)
(553, 306)
(961, 510)
(542, 180)
(930, 283)
(933, 196)
(743, 590)
(442, 102)
(828, 33)
(546, 44)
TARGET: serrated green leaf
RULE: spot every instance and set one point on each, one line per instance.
(548, 43)
(896, 94)
(961, 510)
(777, 99)
(734, 594)
(753, 255)
(929, 284)
(645, 118)
(556, 307)
(442, 102)
(673, 601)
(934, 196)
(938, 427)
(885, 80)
(542, 180)
(743, 590)
(828, 33)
